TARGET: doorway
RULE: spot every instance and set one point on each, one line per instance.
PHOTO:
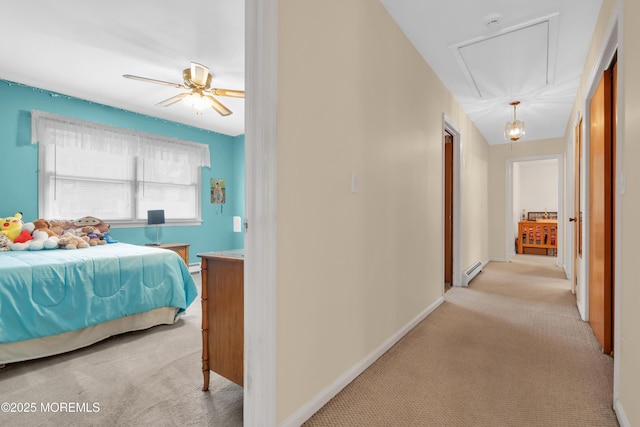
(451, 141)
(448, 210)
(534, 190)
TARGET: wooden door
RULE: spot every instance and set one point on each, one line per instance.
(600, 213)
(448, 208)
(577, 209)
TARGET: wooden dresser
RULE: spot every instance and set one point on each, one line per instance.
(181, 249)
(223, 315)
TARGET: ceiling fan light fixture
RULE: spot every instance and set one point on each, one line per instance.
(197, 101)
(197, 80)
(514, 130)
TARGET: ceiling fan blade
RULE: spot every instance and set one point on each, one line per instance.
(146, 79)
(172, 100)
(199, 74)
(217, 105)
(228, 92)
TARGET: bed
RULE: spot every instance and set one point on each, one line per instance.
(54, 301)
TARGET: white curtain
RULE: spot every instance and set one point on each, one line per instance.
(72, 133)
(113, 173)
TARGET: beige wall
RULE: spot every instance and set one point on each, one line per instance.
(354, 268)
(629, 117)
(498, 157)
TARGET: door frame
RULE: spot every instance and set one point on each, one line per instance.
(510, 250)
(611, 45)
(449, 126)
(261, 179)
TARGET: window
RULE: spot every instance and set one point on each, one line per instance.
(115, 174)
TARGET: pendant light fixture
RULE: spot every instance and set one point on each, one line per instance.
(514, 130)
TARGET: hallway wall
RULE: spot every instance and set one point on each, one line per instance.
(628, 349)
(354, 268)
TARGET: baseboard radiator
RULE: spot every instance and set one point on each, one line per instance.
(471, 272)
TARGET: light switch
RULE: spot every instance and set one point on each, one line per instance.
(354, 182)
(237, 224)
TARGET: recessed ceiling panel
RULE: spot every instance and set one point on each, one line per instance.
(512, 63)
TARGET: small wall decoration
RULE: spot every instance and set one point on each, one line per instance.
(218, 191)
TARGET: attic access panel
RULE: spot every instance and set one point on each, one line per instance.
(517, 61)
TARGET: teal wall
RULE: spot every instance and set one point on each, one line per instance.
(19, 166)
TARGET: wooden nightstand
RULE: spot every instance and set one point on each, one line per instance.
(181, 249)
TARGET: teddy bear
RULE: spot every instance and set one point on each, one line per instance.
(58, 226)
(94, 235)
(44, 225)
(69, 240)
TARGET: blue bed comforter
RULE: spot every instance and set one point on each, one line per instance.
(49, 292)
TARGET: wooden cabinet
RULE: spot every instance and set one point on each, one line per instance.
(181, 249)
(223, 315)
(538, 237)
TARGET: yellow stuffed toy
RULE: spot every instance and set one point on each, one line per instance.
(11, 226)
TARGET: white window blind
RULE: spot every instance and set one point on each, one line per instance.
(113, 173)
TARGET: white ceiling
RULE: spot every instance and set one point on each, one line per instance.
(535, 54)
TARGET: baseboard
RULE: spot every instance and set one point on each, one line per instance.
(495, 260)
(318, 401)
(622, 416)
(582, 310)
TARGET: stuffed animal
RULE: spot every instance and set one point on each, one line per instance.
(109, 239)
(11, 226)
(37, 240)
(5, 243)
(58, 226)
(40, 240)
(92, 221)
(43, 225)
(24, 237)
(69, 240)
(94, 235)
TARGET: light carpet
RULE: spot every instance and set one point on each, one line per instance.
(509, 350)
(144, 378)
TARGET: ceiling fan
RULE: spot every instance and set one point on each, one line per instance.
(197, 80)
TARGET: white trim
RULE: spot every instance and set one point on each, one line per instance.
(260, 361)
(457, 199)
(319, 400)
(620, 413)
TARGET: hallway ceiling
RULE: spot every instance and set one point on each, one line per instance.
(534, 54)
(491, 52)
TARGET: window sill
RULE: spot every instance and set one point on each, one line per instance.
(168, 223)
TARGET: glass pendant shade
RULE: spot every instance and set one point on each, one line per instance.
(514, 130)
(198, 101)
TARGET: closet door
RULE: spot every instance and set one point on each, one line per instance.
(601, 213)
